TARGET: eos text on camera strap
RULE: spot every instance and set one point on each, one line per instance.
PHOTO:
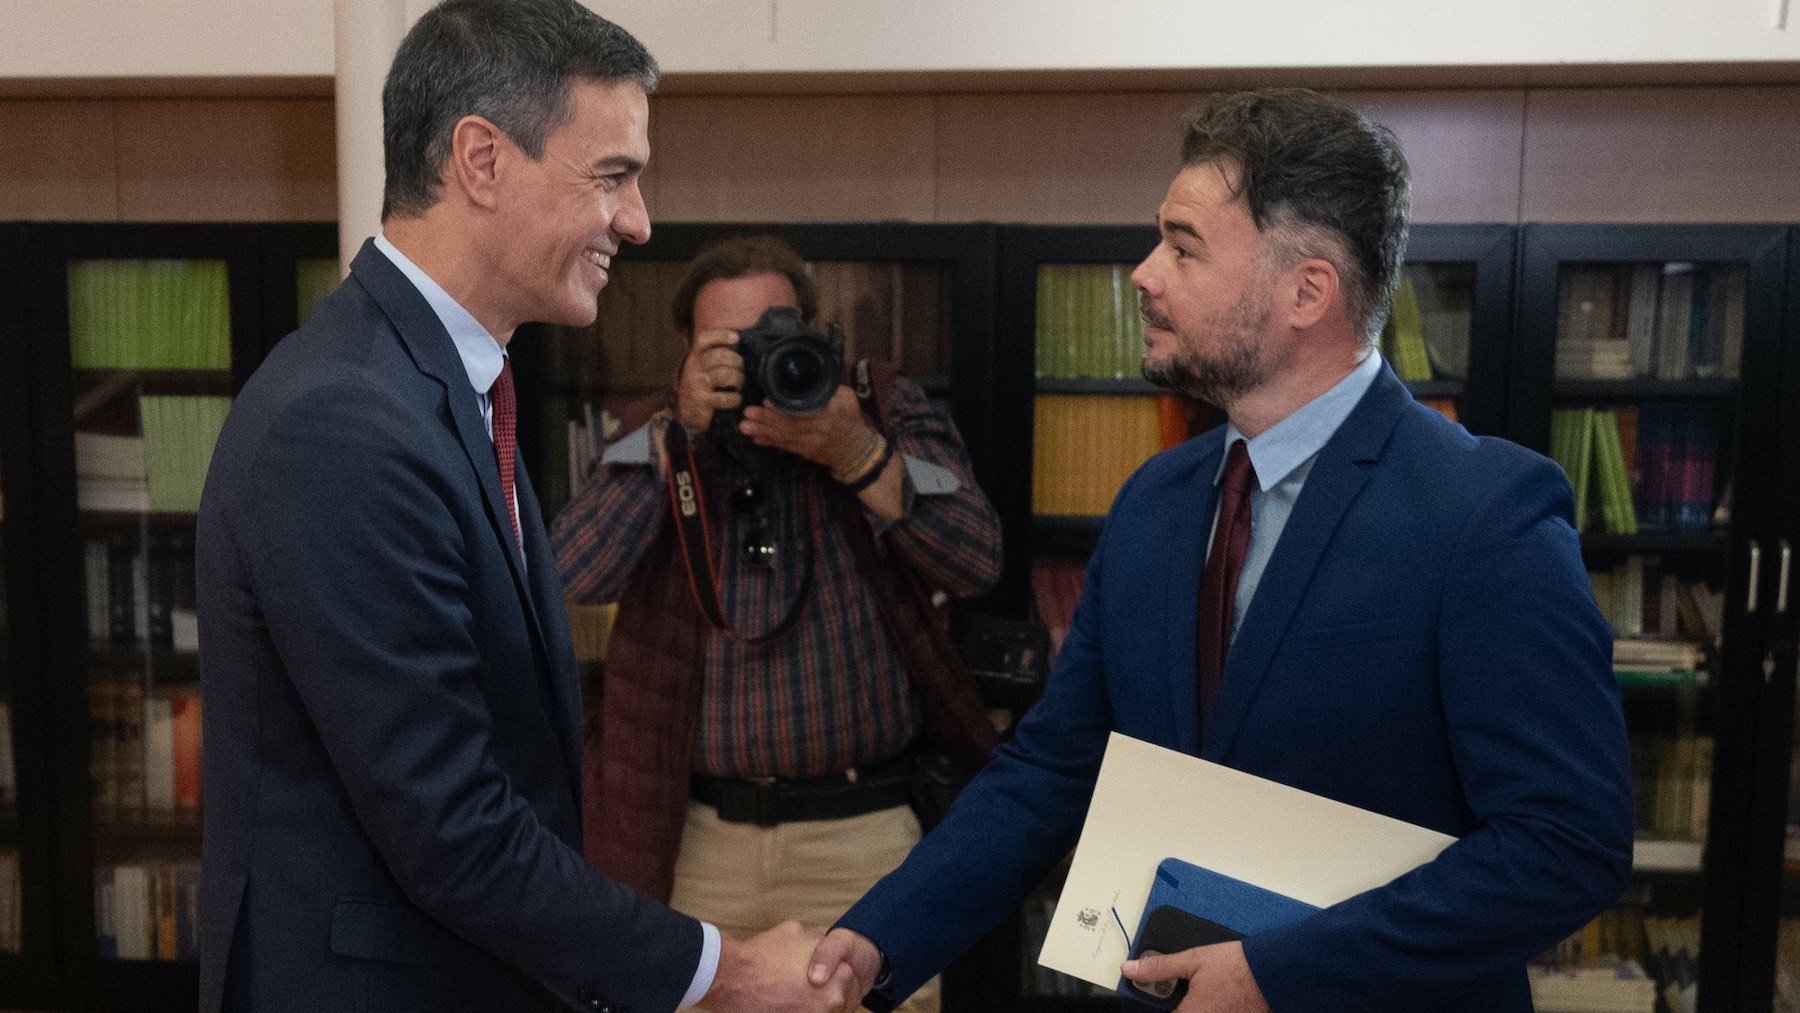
(688, 503)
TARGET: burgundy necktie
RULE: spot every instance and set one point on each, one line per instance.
(506, 441)
(1219, 580)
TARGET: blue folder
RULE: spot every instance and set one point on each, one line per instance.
(1231, 903)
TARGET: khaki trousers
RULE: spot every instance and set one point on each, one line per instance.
(746, 879)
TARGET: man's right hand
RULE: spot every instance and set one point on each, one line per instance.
(768, 972)
(844, 950)
(711, 379)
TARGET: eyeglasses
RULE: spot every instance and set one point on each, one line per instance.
(749, 502)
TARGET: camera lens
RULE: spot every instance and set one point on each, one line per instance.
(798, 372)
(800, 376)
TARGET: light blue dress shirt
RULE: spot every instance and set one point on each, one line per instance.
(483, 358)
(1283, 456)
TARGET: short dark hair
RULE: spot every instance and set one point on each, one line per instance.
(1325, 180)
(738, 257)
(510, 61)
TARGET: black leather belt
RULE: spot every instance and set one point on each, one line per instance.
(765, 802)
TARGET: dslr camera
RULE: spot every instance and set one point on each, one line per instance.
(787, 367)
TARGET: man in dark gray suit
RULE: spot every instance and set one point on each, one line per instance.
(392, 711)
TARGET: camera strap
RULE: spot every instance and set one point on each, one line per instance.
(688, 503)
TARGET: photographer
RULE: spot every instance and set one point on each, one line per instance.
(761, 772)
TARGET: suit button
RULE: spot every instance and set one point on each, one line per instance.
(597, 1001)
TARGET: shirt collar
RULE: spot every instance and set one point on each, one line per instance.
(482, 356)
(1293, 441)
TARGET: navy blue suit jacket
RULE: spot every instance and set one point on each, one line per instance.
(1424, 643)
(392, 712)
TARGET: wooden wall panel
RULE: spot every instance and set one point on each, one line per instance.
(227, 160)
(792, 158)
(1662, 155)
(1463, 147)
(63, 165)
(1612, 154)
(1058, 159)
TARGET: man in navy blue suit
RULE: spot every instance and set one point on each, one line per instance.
(392, 710)
(1339, 590)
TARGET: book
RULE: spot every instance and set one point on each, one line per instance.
(132, 912)
(159, 757)
(1403, 337)
(103, 746)
(1623, 987)
(9, 776)
(1086, 446)
(185, 726)
(106, 913)
(12, 902)
(179, 435)
(1615, 485)
(149, 314)
(1572, 447)
(1056, 590)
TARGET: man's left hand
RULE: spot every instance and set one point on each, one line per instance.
(835, 438)
(1218, 977)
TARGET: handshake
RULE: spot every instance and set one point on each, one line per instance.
(789, 969)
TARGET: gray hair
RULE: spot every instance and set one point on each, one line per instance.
(508, 61)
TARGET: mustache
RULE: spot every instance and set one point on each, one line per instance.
(1150, 314)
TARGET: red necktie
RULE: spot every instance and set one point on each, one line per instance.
(506, 441)
(1219, 580)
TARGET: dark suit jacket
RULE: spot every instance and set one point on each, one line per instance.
(1424, 643)
(391, 702)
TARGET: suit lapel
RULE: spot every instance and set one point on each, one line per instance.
(435, 354)
(1343, 467)
(547, 590)
(1183, 545)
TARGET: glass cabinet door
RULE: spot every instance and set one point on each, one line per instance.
(12, 898)
(1654, 392)
(151, 358)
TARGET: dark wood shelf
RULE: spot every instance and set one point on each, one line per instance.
(168, 665)
(1095, 385)
(1644, 390)
(1066, 522)
(172, 381)
(147, 986)
(1434, 389)
(175, 837)
(158, 521)
(1064, 537)
(1666, 541)
(1032, 1002)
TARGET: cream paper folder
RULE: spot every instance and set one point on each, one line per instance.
(1152, 803)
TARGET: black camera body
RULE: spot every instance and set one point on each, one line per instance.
(787, 367)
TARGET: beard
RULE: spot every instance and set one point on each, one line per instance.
(1221, 378)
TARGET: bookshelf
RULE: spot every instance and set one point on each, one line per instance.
(1648, 364)
(137, 337)
(1718, 855)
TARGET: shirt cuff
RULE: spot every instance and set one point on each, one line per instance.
(709, 965)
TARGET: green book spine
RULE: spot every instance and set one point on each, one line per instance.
(1406, 324)
(1581, 434)
(1615, 486)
